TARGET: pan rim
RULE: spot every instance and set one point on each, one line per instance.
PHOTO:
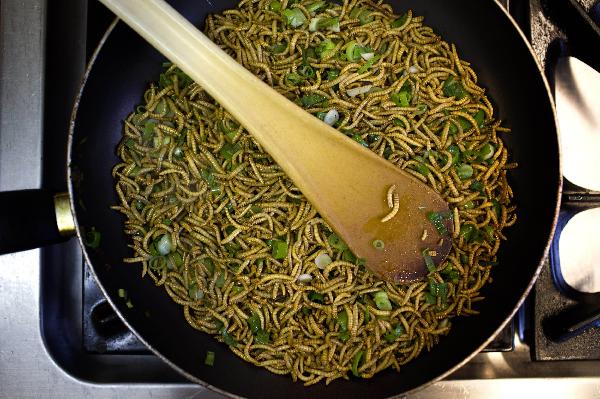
(195, 379)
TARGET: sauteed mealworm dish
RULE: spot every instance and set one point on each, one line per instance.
(213, 219)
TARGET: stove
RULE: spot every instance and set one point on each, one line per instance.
(60, 338)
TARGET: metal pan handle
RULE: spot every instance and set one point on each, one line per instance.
(33, 219)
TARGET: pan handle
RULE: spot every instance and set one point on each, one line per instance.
(33, 219)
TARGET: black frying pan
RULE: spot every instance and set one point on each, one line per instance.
(118, 74)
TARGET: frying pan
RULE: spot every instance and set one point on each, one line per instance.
(121, 69)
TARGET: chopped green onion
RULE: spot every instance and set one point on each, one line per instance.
(421, 109)
(344, 336)
(316, 297)
(355, 362)
(382, 301)
(324, 48)
(148, 130)
(397, 23)
(294, 17)
(428, 260)
(451, 274)
(228, 339)
(229, 150)
(401, 99)
(430, 299)
(293, 79)
(378, 244)
(439, 290)
(220, 282)
(368, 64)
(486, 152)
(278, 48)
(479, 117)
(332, 74)
(161, 107)
(336, 242)
(92, 238)
(262, 337)
(322, 261)
(395, 333)
(354, 51)
(210, 358)
(275, 6)
(398, 122)
(308, 100)
(476, 186)
(163, 245)
(437, 219)
(421, 168)
(279, 249)
(464, 171)
(331, 24)
(342, 319)
(466, 231)
(360, 140)
(254, 323)
(454, 88)
(316, 6)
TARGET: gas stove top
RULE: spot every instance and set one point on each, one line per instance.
(66, 341)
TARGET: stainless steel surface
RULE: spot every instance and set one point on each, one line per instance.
(26, 368)
(578, 110)
(579, 251)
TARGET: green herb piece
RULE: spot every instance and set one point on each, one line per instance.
(342, 319)
(451, 274)
(378, 244)
(476, 186)
(430, 299)
(428, 260)
(262, 337)
(464, 171)
(294, 79)
(422, 168)
(306, 71)
(438, 219)
(220, 282)
(382, 301)
(294, 17)
(399, 21)
(336, 242)
(454, 88)
(210, 358)
(92, 238)
(354, 51)
(395, 333)
(466, 231)
(278, 48)
(332, 74)
(308, 100)
(316, 297)
(420, 109)
(355, 363)
(331, 24)
(275, 6)
(486, 152)
(401, 99)
(279, 249)
(148, 130)
(229, 150)
(325, 48)
(228, 339)
(209, 178)
(254, 323)
(439, 290)
(367, 65)
(344, 336)
(360, 140)
(317, 6)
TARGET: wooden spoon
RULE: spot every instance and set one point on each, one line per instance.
(344, 181)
